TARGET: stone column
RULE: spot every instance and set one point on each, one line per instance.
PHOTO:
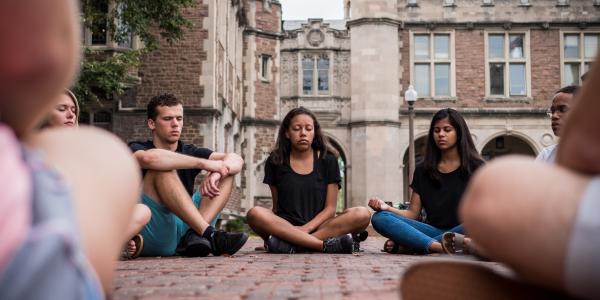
(375, 125)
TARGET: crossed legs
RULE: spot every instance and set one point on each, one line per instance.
(264, 222)
(167, 189)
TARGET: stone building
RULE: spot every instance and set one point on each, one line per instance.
(240, 69)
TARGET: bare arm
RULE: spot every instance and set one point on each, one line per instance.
(233, 161)
(580, 142)
(413, 211)
(327, 213)
(165, 160)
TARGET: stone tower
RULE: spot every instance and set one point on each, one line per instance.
(375, 89)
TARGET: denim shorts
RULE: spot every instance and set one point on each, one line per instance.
(582, 263)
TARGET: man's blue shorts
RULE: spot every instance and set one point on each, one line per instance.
(165, 229)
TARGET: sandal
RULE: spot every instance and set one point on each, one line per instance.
(138, 240)
(392, 248)
(445, 280)
(454, 244)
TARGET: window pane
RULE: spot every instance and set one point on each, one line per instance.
(591, 45)
(100, 22)
(307, 82)
(323, 63)
(516, 46)
(496, 46)
(442, 46)
(571, 74)
(307, 63)
(497, 79)
(265, 67)
(518, 85)
(422, 80)
(421, 46)
(442, 79)
(323, 81)
(571, 46)
(307, 75)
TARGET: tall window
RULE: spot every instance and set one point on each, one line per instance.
(99, 25)
(315, 68)
(432, 65)
(264, 67)
(579, 51)
(507, 65)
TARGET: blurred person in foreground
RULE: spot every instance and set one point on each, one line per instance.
(66, 197)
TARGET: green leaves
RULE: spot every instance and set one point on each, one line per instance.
(149, 19)
(106, 73)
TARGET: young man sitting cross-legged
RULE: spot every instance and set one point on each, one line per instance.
(180, 217)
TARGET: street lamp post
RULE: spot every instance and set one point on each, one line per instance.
(410, 96)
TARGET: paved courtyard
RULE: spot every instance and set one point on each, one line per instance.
(252, 274)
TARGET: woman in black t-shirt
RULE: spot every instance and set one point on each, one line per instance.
(304, 178)
(438, 184)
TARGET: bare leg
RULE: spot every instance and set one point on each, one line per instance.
(167, 189)
(211, 207)
(265, 222)
(103, 199)
(141, 217)
(521, 212)
(351, 220)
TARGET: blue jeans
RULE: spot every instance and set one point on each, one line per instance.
(407, 232)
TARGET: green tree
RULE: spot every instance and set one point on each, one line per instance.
(105, 74)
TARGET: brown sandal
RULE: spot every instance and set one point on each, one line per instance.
(454, 244)
(138, 240)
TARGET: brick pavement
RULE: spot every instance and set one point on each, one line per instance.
(254, 274)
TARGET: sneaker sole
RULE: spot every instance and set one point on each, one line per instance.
(237, 246)
(447, 280)
(196, 250)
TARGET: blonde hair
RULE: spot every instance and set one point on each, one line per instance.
(45, 123)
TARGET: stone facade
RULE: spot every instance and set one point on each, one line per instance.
(240, 70)
(373, 130)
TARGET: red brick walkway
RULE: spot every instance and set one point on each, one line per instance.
(254, 274)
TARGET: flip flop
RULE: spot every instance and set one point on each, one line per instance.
(445, 280)
(453, 244)
(138, 239)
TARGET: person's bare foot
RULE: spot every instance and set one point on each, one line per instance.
(133, 248)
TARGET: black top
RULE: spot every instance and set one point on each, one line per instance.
(187, 176)
(440, 199)
(301, 197)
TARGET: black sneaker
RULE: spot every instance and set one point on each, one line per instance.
(227, 243)
(341, 244)
(360, 237)
(275, 245)
(194, 245)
